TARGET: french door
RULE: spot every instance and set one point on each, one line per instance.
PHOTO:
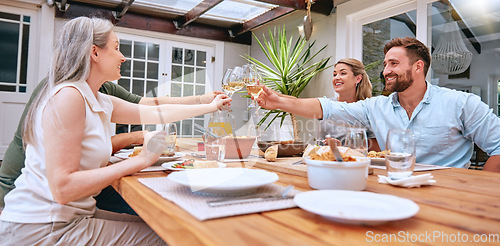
(17, 35)
(158, 67)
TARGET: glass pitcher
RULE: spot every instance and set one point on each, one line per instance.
(221, 119)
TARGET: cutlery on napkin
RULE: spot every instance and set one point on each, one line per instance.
(252, 198)
(410, 182)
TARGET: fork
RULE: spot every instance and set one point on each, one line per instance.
(252, 198)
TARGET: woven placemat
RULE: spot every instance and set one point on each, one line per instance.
(196, 203)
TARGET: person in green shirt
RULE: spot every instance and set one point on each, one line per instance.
(108, 199)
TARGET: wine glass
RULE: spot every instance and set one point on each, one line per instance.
(226, 83)
(236, 80)
(400, 161)
(254, 87)
(170, 136)
(356, 139)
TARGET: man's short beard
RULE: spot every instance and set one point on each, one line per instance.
(402, 83)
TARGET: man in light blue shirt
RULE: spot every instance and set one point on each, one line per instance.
(445, 122)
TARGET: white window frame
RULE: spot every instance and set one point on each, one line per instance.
(351, 17)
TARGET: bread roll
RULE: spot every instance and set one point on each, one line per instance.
(271, 153)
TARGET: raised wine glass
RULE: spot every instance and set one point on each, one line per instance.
(226, 83)
(254, 87)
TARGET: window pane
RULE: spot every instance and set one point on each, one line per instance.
(200, 76)
(177, 55)
(138, 87)
(187, 127)
(125, 83)
(150, 127)
(177, 73)
(376, 35)
(189, 58)
(26, 19)
(24, 54)
(139, 68)
(126, 48)
(134, 128)
(140, 50)
(201, 58)
(8, 88)
(151, 89)
(120, 128)
(9, 16)
(175, 90)
(200, 89)
(188, 90)
(22, 89)
(125, 68)
(152, 70)
(9, 37)
(153, 52)
(188, 74)
(199, 122)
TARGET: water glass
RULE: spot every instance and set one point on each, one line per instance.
(356, 139)
(170, 136)
(400, 162)
(215, 143)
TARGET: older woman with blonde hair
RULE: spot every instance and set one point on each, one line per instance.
(68, 145)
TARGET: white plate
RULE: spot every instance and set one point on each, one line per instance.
(125, 154)
(232, 181)
(378, 161)
(170, 165)
(356, 207)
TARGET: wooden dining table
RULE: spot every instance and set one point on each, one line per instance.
(461, 208)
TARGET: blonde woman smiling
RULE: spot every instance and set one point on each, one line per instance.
(352, 84)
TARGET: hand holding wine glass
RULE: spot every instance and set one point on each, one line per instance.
(255, 87)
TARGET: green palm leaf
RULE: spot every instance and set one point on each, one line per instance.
(289, 66)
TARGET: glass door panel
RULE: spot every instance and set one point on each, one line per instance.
(14, 39)
(140, 74)
(376, 35)
(189, 78)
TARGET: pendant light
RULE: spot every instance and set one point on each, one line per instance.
(451, 56)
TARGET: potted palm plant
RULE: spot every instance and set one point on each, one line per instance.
(291, 68)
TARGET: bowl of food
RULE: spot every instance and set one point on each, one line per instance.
(324, 173)
(243, 143)
(285, 148)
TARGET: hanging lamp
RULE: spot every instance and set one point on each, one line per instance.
(451, 56)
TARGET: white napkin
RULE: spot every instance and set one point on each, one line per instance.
(196, 204)
(410, 182)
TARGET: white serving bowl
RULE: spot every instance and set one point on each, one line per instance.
(332, 175)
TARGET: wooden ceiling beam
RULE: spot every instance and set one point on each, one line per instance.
(123, 7)
(196, 12)
(156, 24)
(261, 20)
(324, 7)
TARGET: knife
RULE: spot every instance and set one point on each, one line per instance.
(333, 145)
(283, 195)
(232, 201)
